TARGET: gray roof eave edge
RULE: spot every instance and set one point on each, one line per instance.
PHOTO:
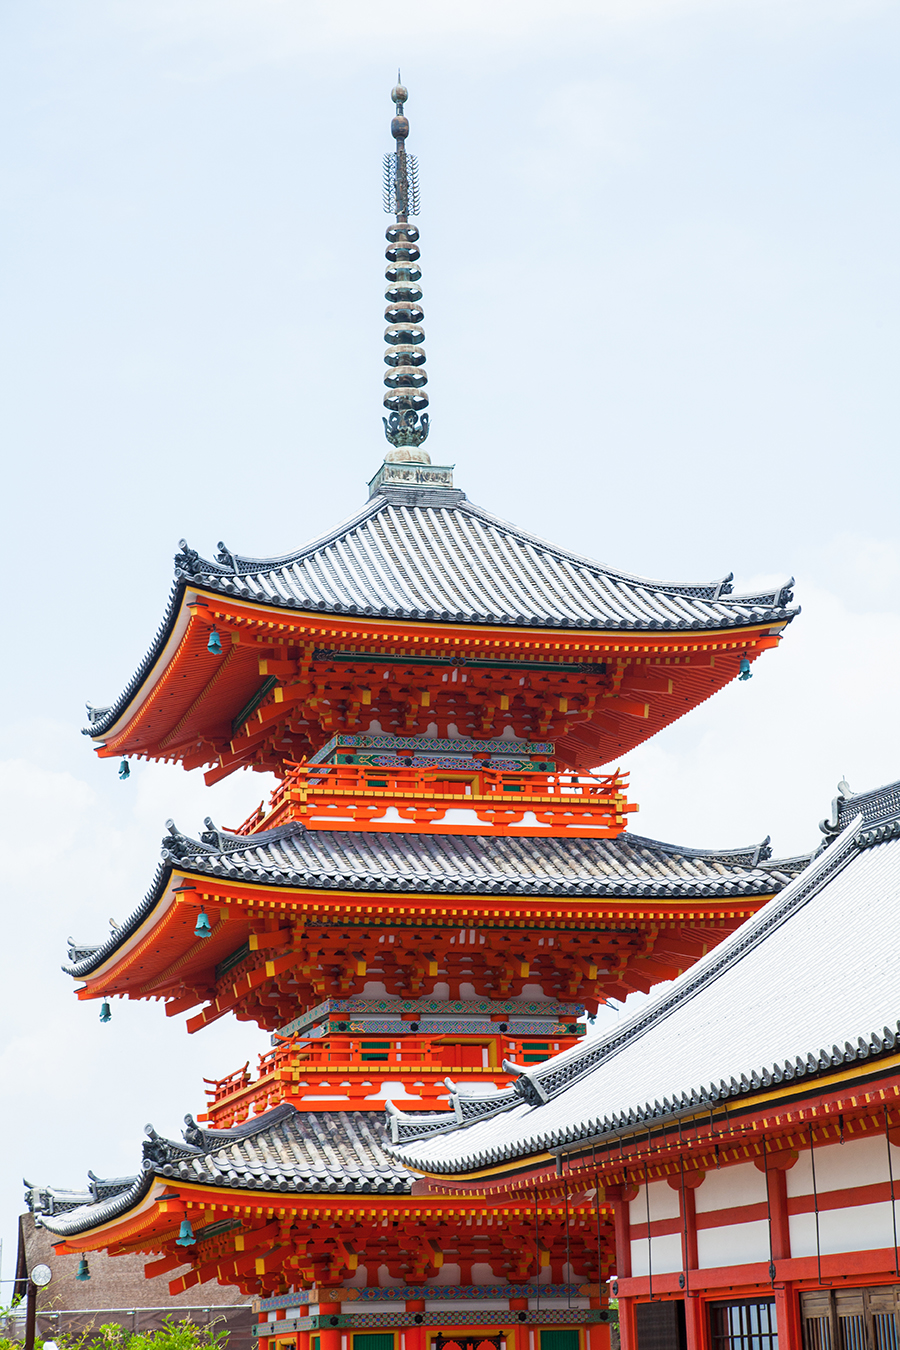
(97, 730)
(79, 970)
(92, 1216)
(796, 895)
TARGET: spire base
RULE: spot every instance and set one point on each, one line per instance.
(411, 474)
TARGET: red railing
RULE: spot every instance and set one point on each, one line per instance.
(351, 1068)
(422, 796)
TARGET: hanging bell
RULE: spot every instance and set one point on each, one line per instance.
(746, 672)
(185, 1236)
(124, 770)
(203, 928)
(83, 1273)
(105, 1016)
(214, 646)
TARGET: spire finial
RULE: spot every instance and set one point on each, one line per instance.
(407, 425)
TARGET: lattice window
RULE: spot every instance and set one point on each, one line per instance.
(852, 1319)
(744, 1326)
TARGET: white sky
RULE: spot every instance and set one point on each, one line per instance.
(660, 274)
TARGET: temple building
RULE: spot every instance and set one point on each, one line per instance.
(443, 886)
(744, 1127)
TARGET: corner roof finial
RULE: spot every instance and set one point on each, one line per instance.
(406, 427)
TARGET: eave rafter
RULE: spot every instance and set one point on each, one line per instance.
(272, 949)
(273, 1242)
(281, 688)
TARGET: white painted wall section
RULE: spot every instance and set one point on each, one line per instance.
(666, 1251)
(731, 1186)
(734, 1244)
(664, 1203)
(860, 1228)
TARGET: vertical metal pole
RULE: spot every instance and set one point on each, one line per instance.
(649, 1238)
(812, 1162)
(30, 1310)
(768, 1210)
(599, 1237)
(568, 1245)
(537, 1254)
(684, 1230)
(887, 1140)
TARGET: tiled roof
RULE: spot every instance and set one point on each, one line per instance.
(455, 864)
(285, 1150)
(418, 554)
(808, 983)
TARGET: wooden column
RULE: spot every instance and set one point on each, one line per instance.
(598, 1336)
(415, 1336)
(696, 1323)
(628, 1324)
(520, 1335)
(775, 1165)
(621, 1197)
(787, 1310)
(329, 1337)
(781, 1228)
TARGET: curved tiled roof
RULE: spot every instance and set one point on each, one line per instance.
(290, 855)
(722, 1023)
(427, 555)
(284, 1150)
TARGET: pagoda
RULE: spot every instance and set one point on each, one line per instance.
(439, 890)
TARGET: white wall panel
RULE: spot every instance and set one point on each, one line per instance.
(856, 1162)
(666, 1255)
(730, 1186)
(664, 1203)
(735, 1244)
(861, 1228)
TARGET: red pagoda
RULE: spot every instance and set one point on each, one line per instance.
(441, 887)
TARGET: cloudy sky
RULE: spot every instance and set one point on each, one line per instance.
(661, 276)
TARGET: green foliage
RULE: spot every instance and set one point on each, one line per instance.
(172, 1335)
(184, 1335)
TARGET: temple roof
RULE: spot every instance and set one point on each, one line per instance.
(807, 984)
(284, 1150)
(290, 855)
(431, 555)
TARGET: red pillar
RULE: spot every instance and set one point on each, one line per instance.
(415, 1335)
(787, 1311)
(628, 1324)
(330, 1337)
(781, 1229)
(302, 1340)
(520, 1328)
(696, 1324)
(598, 1336)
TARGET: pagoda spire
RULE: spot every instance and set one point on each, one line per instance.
(406, 425)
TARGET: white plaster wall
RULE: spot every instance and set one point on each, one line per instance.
(666, 1255)
(448, 1274)
(734, 1244)
(856, 1162)
(730, 1186)
(860, 1228)
(664, 1203)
